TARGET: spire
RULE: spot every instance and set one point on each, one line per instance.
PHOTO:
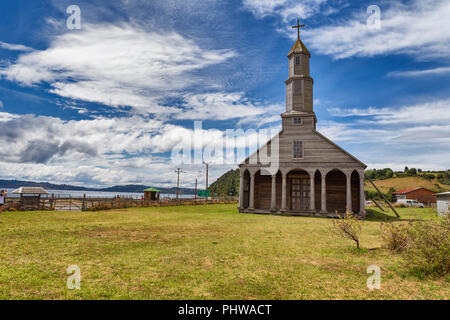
(299, 47)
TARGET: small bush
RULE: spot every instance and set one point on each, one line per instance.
(425, 245)
(394, 236)
(429, 247)
(348, 227)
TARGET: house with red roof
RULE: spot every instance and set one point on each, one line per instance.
(420, 194)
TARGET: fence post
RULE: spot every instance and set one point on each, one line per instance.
(52, 204)
(83, 206)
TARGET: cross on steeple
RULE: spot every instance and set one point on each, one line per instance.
(298, 26)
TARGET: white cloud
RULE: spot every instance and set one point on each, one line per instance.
(116, 65)
(219, 106)
(14, 47)
(286, 9)
(428, 113)
(100, 151)
(418, 73)
(416, 135)
(420, 29)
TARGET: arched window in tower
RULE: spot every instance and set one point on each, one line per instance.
(297, 60)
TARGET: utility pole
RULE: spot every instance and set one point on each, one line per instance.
(178, 171)
(195, 197)
(207, 173)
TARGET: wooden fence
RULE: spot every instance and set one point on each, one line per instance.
(95, 204)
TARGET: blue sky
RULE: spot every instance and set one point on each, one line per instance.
(107, 104)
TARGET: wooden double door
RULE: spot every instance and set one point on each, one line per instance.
(300, 193)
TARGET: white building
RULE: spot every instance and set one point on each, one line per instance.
(443, 203)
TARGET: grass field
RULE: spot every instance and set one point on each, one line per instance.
(204, 252)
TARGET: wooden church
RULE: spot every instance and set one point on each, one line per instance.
(312, 175)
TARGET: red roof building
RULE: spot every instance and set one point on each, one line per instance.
(420, 194)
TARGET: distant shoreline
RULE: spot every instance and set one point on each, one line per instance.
(14, 184)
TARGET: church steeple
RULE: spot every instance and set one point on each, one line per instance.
(299, 85)
(299, 47)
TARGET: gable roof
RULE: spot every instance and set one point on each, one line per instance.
(409, 190)
(320, 135)
(30, 190)
(334, 144)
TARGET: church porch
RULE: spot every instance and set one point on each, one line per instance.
(302, 192)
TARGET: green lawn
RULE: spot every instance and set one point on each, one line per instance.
(204, 252)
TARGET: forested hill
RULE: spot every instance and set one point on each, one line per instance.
(226, 185)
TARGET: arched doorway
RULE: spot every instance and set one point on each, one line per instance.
(246, 189)
(336, 185)
(299, 193)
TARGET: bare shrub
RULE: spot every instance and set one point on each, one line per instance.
(394, 236)
(348, 227)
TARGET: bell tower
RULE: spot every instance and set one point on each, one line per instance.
(299, 85)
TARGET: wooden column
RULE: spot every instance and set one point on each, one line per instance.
(283, 193)
(348, 176)
(324, 192)
(252, 191)
(362, 196)
(312, 191)
(241, 190)
(273, 206)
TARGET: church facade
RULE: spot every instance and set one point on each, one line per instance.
(310, 174)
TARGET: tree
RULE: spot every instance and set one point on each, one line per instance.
(389, 195)
(406, 169)
(389, 173)
(412, 171)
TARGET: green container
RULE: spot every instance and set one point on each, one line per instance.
(204, 193)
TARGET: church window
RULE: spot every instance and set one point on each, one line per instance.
(297, 59)
(298, 149)
(297, 121)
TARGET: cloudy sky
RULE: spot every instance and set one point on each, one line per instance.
(107, 104)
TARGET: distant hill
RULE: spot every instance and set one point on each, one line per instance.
(14, 184)
(399, 183)
(226, 185)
